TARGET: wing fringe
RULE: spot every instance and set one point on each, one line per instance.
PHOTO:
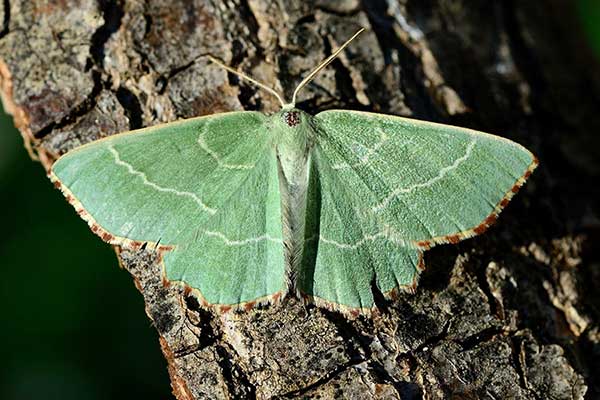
(487, 222)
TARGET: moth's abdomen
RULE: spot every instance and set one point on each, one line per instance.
(293, 130)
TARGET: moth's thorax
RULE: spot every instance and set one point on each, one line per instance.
(293, 132)
(292, 129)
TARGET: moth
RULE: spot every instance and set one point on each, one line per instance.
(247, 208)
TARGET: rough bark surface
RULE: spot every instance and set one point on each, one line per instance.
(511, 314)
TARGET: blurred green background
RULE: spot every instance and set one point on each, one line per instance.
(589, 11)
(74, 325)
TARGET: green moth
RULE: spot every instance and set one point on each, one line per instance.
(248, 208)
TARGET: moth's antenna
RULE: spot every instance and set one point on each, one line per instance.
(244, 76)
(323, 64)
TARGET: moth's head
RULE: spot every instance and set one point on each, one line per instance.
(290, 117)
(293, 117)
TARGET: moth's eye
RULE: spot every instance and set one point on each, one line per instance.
(291, 118)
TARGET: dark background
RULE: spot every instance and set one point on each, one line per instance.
(100, 344)
(77, 328)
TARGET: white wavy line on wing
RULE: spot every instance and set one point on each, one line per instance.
(231, 242)
(153, 185)
(388, 233)
(443, 172)
(217, 158)
(370, 152)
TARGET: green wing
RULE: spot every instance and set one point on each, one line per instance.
(386, 188)
(205, 190)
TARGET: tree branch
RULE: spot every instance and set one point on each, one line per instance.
(510, 314)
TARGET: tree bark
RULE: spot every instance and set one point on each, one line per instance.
(511, 314)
